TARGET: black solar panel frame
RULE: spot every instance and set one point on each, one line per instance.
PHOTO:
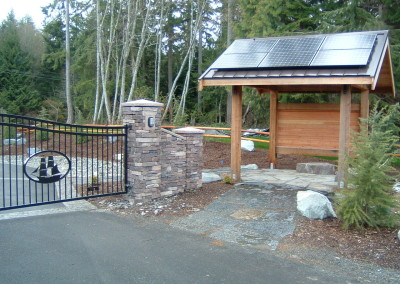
(297, 52)
(251, 46)
(355, 41)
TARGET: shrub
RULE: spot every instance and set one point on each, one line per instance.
(81, 138)
(42, 135)
(227, 179)
(368, 198)
(8, 132)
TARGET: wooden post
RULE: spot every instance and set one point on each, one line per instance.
(272, 128)
(344, 132)
(364, 105)
(236, 132)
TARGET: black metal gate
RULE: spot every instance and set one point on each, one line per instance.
(45, 162)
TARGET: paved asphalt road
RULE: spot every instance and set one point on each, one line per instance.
(17, 189)
(97, 247)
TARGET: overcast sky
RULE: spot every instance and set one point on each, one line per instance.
(23, 8)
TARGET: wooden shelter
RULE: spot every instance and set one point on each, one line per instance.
(345, 64)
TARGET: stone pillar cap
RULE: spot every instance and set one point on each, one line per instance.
(189, 130)
(142, 103)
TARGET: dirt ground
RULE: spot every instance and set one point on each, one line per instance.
(380, 247)
(217, 155)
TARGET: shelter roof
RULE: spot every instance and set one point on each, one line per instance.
(308, 63)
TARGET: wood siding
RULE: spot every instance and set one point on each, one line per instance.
(312, 126)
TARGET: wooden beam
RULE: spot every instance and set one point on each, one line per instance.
(360, 87)
(200, 86)
(344, 131)
(385, 66)
(314, 106)
(288, 81)
(364, 105)
(236, 132)
(273, 107)
(306, 151)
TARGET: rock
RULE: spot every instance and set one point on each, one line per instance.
(210, 177)
(214, 132)
(32, 151)
(112, 139)
(396, 187)
(21, 141)
(9, 141)
(247, 145)
(314, 205)
(316, 168)
(249, 167)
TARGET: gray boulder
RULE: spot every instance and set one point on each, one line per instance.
(20, 141)
(396, 187)
(247, 145)
(210, 177)
(316, 168)
(249, 167)
(314, 205)
(214, 132)
(32, 151)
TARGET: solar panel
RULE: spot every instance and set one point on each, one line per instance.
(287, 59)
(292, 52)
(312, 51)
(342, 57)
(250, 46)
(308, 44)
(239, 60)
(349, 41)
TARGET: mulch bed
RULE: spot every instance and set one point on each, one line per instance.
(378, 246)
(218, 155)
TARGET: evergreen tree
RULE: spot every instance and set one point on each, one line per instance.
(368, 199)
(17, 92)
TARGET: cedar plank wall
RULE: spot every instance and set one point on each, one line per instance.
(311, 127)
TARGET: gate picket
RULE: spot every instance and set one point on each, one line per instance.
(45, 162)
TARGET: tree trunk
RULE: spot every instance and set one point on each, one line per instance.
(170, 70)
(229, 36)
(98, 46)
(200, 56)
(158, 52)
(70, 107)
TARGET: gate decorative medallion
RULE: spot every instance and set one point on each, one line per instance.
(44, 166)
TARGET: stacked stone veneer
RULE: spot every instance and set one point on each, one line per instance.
(160, 162)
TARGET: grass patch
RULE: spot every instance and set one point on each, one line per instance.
(220, 140)
(258, 145)
(327, 158)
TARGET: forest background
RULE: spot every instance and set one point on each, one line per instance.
(93, 55)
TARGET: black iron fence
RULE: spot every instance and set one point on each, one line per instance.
(45, 162)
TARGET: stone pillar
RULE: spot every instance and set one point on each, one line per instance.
(194, 156)
(144, 170)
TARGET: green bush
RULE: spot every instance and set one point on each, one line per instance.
(8, 132)
(368, 199)
(81, 139)
(42, 135)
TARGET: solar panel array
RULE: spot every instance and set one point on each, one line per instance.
(315, 51)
